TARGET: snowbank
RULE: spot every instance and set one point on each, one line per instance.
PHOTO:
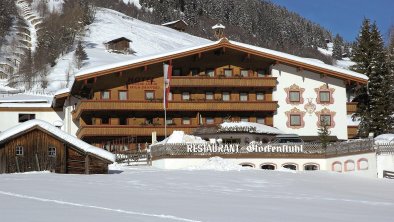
(254, 127)
(181, 137)
(58, 133)
(218, 164)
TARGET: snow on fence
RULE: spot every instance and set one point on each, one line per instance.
(311, 149)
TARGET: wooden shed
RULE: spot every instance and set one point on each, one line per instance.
(120, 45)
(179, 25)
(37, 145)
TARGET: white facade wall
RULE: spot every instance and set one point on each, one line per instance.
(363, 164)
(10, 118)
(385, 162)
(71, 127)
(287, 76)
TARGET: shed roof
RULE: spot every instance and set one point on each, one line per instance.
(118, 40)
(59, 134)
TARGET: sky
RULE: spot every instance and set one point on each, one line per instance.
(344, 16)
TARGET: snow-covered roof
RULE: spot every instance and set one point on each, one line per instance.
(218, 26)
(237, 45)
(250, 127)
(384, 139)
(26, 100)
(77, 143)
(62, 91)
(181, 137)
(173, 22)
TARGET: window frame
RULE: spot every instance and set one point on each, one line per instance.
(19, 150)
(264, 74)
(243, 118)
(106, 117)
(329, 96)
(229, 96)
(260, 118)
(212, 94)
(207, 71)
(257, 96)
(294, 115)
(326, 115)
(52, 153)
(186, 119)
(186, 94)
(123, 91)
(299, 96)
(102, 93)
(211, 122)
(226, 70)
(243, 94)
(146, 95)
(244, 70)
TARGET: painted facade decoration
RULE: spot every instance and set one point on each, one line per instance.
(294, 114)
(310, 107)
(324, 95)
(294, 95)
(326, 115)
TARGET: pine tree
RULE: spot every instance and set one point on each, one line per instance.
(323, 133)
(337, 48)
(80, 55)
(374, 108)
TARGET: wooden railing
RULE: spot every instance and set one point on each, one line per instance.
(351, 107)
(115, 130)
(109, 105)
(191, 81)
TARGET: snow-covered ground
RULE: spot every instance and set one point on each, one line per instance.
(149, 194)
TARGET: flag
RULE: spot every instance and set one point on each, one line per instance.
(167, 79)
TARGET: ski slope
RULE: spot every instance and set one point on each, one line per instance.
(149, 194)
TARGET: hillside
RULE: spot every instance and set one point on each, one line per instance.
(108, 25)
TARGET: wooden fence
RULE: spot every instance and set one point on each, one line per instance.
(312, 150)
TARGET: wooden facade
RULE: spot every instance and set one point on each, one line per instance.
(38, 150)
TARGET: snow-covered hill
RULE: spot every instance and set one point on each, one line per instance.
(149, 194)
(108, 25)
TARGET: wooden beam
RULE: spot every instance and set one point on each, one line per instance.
(87, 164)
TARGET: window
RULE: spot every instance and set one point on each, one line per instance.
(186, 121)
(260, 96)
(295, 120)
(309, 167)
(176, 72)
(194, 72)
(185, 96)
(226, 96)
(324, 96)
(52, 151)
(23, 117)
(210, 72)
(149, 95)
(243, 96)
(210, 120)
(19, 151)
(105, 120)
(209, 95)
(228, 72)
(105, 95)
(244, 73)
(294, 96)
(169, 121)
(326, 119)
(261, 120)
(244, 119)
(169, 96)
(268, 167)
(122, 121)
(261, 73)
(122, 95)
(290, 166)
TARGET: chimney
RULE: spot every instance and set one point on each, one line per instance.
(218, 30)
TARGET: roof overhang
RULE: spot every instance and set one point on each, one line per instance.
(224, 43)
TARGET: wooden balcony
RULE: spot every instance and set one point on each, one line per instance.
(241, 82)
(352, 131)
(351, 107)
(116, 130)
(108, 105)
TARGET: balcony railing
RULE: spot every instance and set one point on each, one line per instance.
(351, 107)
(116, 130)
(108, 105)
(192, 81)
